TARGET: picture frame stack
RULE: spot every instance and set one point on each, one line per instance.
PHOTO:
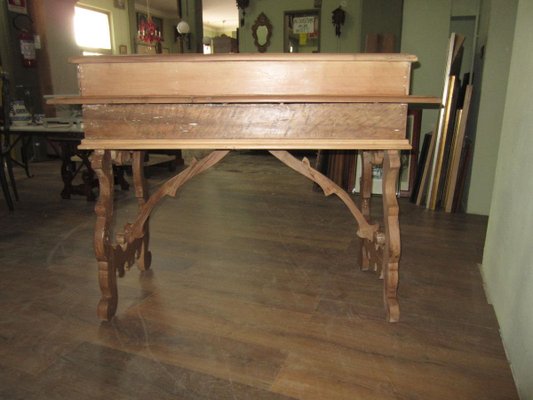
(446, 152)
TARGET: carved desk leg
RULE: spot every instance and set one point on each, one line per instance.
(365, 189)
(391, 255)
(132, 244)
(107, 275)
(382, 252)
(144, 257)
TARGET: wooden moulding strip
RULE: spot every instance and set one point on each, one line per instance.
(457, 150)
(241, 144)
(244, 57)
(440, 145)
(93, 100)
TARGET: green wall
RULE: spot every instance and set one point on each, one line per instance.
(425, 33)
(350, 39)
(382, 16)
(507, 266)
(496, 38)
(61, 45)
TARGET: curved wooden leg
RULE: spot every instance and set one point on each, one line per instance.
(144, 257)
(132, 244)
(391, 254)
(107, 274)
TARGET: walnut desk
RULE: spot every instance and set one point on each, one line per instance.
(275, 102)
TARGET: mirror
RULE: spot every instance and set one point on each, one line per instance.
(262, 32)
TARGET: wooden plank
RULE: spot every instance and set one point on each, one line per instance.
(466, 159)
(421, 166)
(244, 57)
(441, 146)
(427, 167)
(171, 99)
(243, 144)
(457, 150)
(441, 121)
(372, 43)
(388, 42)
(245, 121)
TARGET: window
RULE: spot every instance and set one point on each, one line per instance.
(92, 30)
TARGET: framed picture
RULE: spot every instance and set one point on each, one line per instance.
(143, 48)
(18, 6)
(123, 49)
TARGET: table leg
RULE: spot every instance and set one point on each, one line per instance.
(4, 183)
(141, 192)
(391, 254)
(132, 244)
(107, 272)
(26, 142)
(365, 189)
(382, 252)
(69, 171)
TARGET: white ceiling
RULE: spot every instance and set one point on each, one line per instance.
(220, 14)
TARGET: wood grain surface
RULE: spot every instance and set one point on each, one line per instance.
(227, 122)
(239, 302)
(241, 74)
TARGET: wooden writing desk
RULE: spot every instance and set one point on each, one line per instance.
(244, 101)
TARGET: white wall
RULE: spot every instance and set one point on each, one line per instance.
(507, 264)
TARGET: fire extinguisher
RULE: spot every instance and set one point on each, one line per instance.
(27, 49)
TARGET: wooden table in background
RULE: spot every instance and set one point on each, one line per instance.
(275, 102)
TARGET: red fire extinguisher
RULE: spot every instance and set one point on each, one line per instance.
(27, 49)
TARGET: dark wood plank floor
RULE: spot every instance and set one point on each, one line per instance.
(254, 293)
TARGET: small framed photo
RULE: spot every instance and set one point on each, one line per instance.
(122, 49)
(18, 6)
(120, 4)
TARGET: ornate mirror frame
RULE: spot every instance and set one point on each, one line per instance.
(262, 20)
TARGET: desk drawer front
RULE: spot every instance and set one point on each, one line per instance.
(246, 121)
(238, 78)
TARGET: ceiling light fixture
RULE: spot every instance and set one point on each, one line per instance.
(148, 31)
(242, 4)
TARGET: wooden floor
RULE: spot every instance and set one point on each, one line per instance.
(254, 293)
